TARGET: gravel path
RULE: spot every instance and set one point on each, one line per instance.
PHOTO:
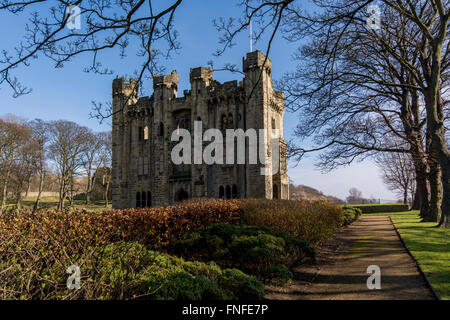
(341, 273)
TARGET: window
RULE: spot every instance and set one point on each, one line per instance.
(140, 134)
(161, 129)
(138, 200)
(228, 192)
(146, 133)
(149, 199)
(274, 126)
(221, 192)
(143, 200)
(235, 192)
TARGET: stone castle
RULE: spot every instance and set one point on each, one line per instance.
(142, 170)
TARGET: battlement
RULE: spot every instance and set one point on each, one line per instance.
(121, 86)
(202, 73)
(168, 80)
(255, 59)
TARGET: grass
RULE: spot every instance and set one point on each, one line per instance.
(429, 245)
(52, 202)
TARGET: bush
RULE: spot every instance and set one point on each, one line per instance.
(255, 250)
(351, 214)
(383, 208)
(130, 271)
(310, 221)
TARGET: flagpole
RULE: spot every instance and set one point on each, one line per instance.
(251, 37)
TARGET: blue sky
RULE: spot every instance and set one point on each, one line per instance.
(67, 93)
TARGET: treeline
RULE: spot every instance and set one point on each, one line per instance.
(53, 155)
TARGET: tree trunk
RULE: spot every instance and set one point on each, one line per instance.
(41, 186)
(445, 216)
(89, 186)
(5, 191)
(28, 187)
(106, 194)
(416, 200)
(436, 193)
(423, 185)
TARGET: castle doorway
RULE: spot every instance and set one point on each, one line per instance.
(181, 195)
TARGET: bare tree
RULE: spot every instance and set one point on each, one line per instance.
(355, 196)
(398, 173)
(356, 83)
(91, 159)
(106, 162)
(67, 143)
(24, 166)
(39, 130)
(105, 26)
(13, 135)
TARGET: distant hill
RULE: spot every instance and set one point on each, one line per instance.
(302, 192)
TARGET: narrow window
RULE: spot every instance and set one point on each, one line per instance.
(138, 200)
(146, 133)
(274, 126)
(161, 129)
(149, 199)
(140, 134)
(221, 192)
(228, 191)
(143, 201)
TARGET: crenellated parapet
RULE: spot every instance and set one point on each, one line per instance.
(168, 80)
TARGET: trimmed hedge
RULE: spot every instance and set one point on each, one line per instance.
(255, 250)
(351, 214)
(310, 221)
(382, 208)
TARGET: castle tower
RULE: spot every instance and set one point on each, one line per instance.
(124, 94)
(165, 91)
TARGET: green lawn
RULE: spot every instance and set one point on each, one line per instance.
(429, 245)
(52, 202)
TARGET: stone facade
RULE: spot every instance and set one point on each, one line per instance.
(142, 170)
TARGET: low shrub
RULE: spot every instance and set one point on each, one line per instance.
(130, 271)
(310, 221)
(255, 250)
(382, 208)
(351, 214)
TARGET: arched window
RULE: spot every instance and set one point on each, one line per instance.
(228, 192)
(146, 133)
(275, 191)
(138, 200)
(161, 129)
(149, 199)
(221, 192)
(235, 192)
(144, 200)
